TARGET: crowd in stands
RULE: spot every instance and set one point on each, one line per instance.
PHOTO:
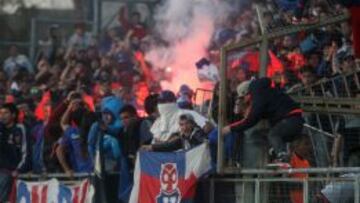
(92, 94)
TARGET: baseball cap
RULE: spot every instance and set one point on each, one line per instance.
(243, 89)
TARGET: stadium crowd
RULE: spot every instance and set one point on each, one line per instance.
(92, 94)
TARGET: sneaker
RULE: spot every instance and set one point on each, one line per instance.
(272, 154)
(282, 161)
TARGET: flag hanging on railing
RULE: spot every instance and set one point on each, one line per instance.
(52, 191)
(169, 177)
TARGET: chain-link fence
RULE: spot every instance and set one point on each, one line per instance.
(62, 31)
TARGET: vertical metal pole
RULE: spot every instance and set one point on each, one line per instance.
(357, 82)
(260, 19)
(334, 88)
(212, 190)
(210, 108)
(357, 189)
(330, 117)
(257, 190)
(306, 190)
(202, 102)
(264, 44)
(346, 86)
(222, 111)
(96, 17)
(32, 40)
(264, 57)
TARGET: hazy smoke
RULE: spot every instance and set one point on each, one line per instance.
(186, 26)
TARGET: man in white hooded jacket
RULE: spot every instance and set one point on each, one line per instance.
(167, 123)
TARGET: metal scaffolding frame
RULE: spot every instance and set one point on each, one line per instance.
(263, 39)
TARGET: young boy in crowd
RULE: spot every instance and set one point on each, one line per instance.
(189, 136)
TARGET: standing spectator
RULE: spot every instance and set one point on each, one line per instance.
(13, 148)
(72, 143)
(16, 62)
(80, 39)
(38, 136)
(151, 110)
(300, 13)
(347, 64)
(307, 78)
(51, 44)
(109, 126)
(130, 137)
(300, 158)
(134, 24)
(354, 8)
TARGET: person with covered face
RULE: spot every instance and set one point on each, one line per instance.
(190, 135)
(264, 102)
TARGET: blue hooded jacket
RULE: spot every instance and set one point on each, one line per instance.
(112, 105)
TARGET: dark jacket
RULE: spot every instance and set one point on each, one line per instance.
(197, 137)
(13, 148)
(130, 138)
(266, 103)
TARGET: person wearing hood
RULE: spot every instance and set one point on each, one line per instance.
(185, 96)
(167, 123)
(264, 102)
(109, 126)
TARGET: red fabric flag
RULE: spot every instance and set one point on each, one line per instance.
(251, 62)
(274, 66)
(40, 108)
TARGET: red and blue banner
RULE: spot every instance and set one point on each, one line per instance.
(169, 177)
(52, 191)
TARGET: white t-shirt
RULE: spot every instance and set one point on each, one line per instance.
(11, 64)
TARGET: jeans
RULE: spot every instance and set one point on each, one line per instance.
(285, 131)
(5, 186)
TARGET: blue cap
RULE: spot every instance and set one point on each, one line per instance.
(185, 89)
(167, 96)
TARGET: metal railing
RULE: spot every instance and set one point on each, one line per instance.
(296, 185)
(203, 100)
(335, 95)
(263, 39)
